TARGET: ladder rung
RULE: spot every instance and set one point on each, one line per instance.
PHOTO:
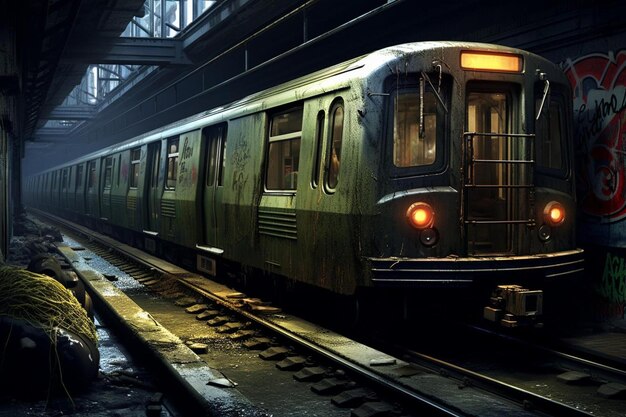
(504, 161)
(528, 221)
(471, 135)
(497, 186)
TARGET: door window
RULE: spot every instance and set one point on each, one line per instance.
(216, 158)
(172, 163)
(135, 159)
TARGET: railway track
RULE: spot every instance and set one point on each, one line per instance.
(593, 375)
(540, 377)
(356, 377)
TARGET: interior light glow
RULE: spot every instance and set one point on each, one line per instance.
(490, 61)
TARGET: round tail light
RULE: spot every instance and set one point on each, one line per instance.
(420, 215)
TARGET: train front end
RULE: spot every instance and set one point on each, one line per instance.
(480, 186)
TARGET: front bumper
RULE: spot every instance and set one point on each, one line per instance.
(455, 271)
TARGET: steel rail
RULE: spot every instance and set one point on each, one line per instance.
(405, 393)
(602, 369)
(525, 399)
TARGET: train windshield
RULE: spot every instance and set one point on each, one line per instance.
(417, 135)
(550, 131)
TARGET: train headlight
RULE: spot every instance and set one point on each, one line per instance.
(554, 213)
(420, 215)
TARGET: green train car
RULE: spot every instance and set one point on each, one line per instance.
(430, 164)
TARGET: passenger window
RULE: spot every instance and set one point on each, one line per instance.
(335, 140)
(409, 149)
(549, 131)
(135, 159)
(319, 137)
(284, 150)
(108, 173)
(172, 163)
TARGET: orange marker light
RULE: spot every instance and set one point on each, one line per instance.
(489, 61)
(554, 213)
(420, 215)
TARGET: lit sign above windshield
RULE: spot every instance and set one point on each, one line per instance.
(489, 61)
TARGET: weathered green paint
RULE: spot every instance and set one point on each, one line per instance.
(187, 228)
(329, 238)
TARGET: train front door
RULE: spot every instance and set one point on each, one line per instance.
(498, 175)
(214, 141)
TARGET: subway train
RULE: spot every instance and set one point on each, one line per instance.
(427, 165)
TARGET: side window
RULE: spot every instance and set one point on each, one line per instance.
(108, 173)
(172, 163)
(79, 177)
(135, 158)
(91, 181)
(319, 138)
(335, 139)
(216, 159)
(284, 150)
(550, 133)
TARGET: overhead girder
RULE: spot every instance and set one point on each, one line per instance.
(130, 51)
(71, 113)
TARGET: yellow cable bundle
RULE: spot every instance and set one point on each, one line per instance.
(42, 302)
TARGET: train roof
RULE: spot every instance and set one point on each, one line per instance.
(333, 78)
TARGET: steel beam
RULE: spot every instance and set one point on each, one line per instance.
(49, 133)
(71, 113)
(130, 51)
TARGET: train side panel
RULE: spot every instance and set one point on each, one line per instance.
(187, 226)
(119, 189)
(92, 195)
(107, 168)
(79, 189)
(236, 201)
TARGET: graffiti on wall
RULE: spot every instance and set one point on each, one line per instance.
(599, 86)
(613, 285)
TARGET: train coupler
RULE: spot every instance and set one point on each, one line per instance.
(513, 306)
